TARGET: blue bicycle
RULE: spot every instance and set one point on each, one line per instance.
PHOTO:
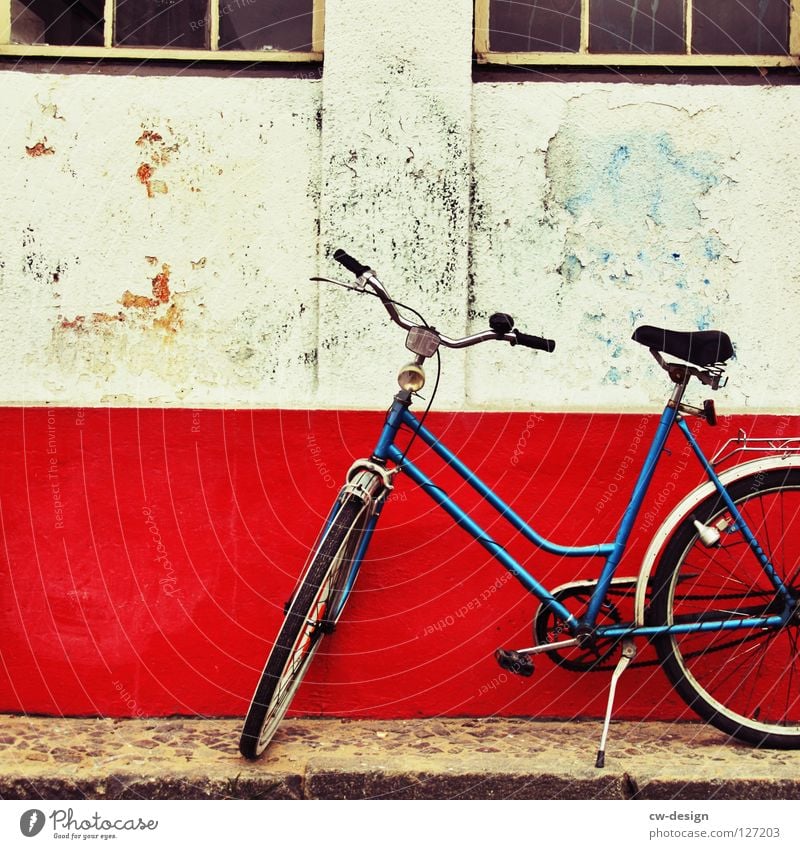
(718, 592)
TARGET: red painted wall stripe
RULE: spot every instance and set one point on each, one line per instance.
(147, 555)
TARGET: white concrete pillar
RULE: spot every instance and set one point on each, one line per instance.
(396, 181)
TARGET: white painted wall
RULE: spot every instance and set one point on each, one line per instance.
(603, 207)
(232, 211)
(582, 208)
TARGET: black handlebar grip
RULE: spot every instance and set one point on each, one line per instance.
(536, 342)
(349, 263)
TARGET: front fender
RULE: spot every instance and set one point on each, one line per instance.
(685, 508)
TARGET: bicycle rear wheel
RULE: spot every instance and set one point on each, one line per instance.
(746, 683)
(314, 607)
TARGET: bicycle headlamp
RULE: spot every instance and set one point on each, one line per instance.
(411, 377)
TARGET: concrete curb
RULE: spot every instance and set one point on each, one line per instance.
(53, 758)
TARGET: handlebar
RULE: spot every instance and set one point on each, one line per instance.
(501, 330)
(349, 263)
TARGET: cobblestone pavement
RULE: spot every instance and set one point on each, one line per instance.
(54, 758)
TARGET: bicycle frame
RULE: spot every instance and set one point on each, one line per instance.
(335, 559)
(399, 415)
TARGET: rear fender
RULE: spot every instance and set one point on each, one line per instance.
(684, 509)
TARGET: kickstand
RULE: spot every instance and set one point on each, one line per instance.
(628, 653)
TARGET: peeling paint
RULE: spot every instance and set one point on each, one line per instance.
(149, 136)
(72, 324)
(171, 321)
(161, 285)
(145, 175)
(131, 301)
(563, 202)
(39, 149)
(100, 317)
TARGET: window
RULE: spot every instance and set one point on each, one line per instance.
(276, 30)
(638, 32)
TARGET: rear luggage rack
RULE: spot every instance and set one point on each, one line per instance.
(784, 446)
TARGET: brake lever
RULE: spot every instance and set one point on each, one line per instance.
(361, 288)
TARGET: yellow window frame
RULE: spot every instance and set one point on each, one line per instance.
(109, 51)
(485, 55)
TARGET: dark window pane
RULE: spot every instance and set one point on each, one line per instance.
(265, 24)
(57, 22)
(161, 23)
(636, 26)
(535, 25)
(740, 26)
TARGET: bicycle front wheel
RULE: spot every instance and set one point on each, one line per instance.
(314, 606)
(744, 682)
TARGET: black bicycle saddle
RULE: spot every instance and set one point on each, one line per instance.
(701, 347)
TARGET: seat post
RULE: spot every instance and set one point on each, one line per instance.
(680, 386)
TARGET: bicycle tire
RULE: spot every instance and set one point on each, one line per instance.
(304, 626)
(746, 684)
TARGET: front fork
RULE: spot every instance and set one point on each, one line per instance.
(371, 483)
(368, 482)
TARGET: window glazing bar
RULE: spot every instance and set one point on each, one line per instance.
(689, 25)
(318, 26)
(108, 23)
(5, 21)
(584, 45)
(213, 24)
(482, 27)
(794, 28)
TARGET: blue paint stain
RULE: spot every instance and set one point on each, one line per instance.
(674, 307)
(606, 256)
(614, 347)
(656, 201)
(706, 281)
(634, 316)
(676, 256)
(642, 256)
(570, 268)
(712, 248)
(618, 159)
(681, 284)
(704, 319)
(576, 203)
(613, 375)
(638, 176)
(690, 166)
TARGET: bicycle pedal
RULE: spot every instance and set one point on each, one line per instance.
(514, 662)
